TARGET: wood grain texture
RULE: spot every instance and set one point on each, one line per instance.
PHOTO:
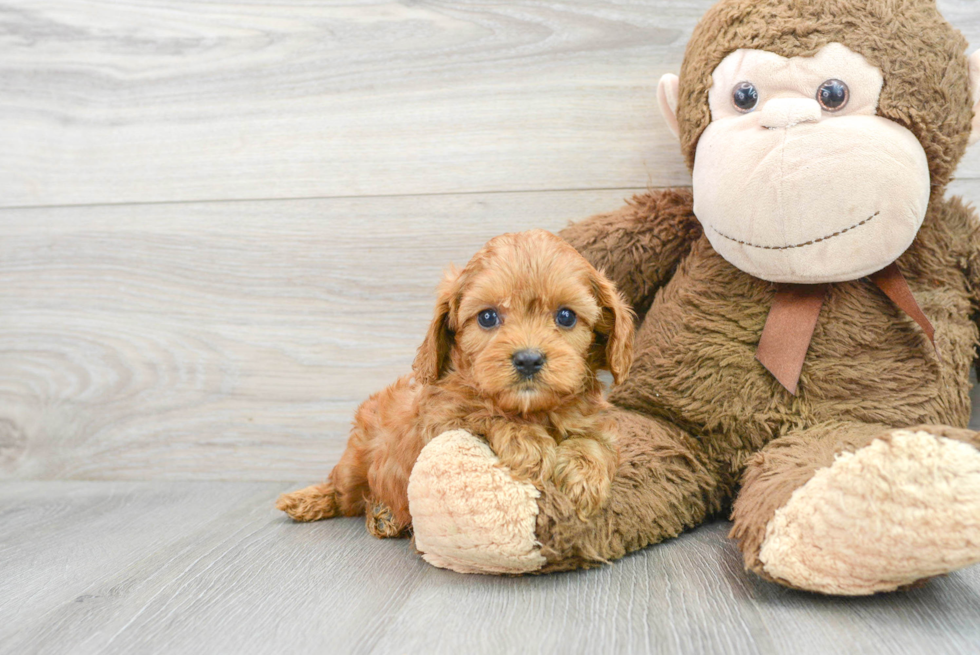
(178, 100)
(96, 567)
(223, 340)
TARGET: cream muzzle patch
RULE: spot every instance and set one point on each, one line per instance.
(792, 188)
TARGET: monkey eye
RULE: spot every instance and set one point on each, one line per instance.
(488, 319)
(745, 97)
(833, 95)
(565, 317)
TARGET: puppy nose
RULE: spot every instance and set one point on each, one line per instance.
(528, 362)
(787, 112)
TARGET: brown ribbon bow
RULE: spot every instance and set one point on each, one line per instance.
(793, 317)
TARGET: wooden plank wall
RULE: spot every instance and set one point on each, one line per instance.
(222, 221)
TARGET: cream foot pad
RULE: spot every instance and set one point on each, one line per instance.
(904, 508)
(468, 514)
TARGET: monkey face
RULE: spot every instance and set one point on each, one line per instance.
(796, 178)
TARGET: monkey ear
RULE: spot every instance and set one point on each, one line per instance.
(432, 358)
(975, 96)
(614, 329)
(667, 94)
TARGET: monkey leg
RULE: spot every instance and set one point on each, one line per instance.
(854, 509)
(470, 515)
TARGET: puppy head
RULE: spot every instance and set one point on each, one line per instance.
(528, 321)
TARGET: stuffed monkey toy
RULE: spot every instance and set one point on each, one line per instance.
(807, 318)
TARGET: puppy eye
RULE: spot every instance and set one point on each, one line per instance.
(488, 319)
(565, 317)
(745, 97)
(833, 95)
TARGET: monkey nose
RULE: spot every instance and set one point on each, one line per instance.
(528, 362)
(787, 112)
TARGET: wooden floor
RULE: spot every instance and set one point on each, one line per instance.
(210, 567)
(222, 223)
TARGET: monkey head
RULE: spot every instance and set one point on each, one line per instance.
(818, 131)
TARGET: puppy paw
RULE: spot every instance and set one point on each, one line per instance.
(583, 473)
(310, 504)
(381, 522)
(529, 455)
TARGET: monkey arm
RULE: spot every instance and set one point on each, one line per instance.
(948, 247)
(639, 245)
(960, 238)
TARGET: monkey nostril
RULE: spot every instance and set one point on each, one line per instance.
(527, 362)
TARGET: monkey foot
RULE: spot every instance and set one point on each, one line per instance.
(469, 514)
(900, 510)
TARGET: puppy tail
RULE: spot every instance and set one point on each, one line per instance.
(310, 504)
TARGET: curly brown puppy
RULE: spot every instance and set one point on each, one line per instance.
(512, 355)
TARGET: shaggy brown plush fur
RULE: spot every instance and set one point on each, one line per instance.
(698, 406)
(699, 414)
(551, 425)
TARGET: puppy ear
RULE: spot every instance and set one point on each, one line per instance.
(614, 329)
(432, 358)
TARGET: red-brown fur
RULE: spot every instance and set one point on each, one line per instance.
(553, 426)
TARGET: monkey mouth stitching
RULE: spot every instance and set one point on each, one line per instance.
(797, 245)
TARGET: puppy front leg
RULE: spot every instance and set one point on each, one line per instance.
(382, 523)
(527, 450)
(584, 469)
